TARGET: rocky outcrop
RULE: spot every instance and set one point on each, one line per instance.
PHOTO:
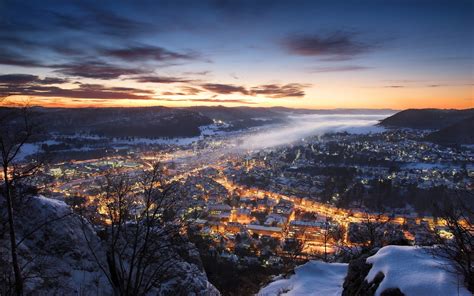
(55, 249)
(355, 283)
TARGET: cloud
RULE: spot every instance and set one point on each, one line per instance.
(224, 89)
(142, 53)
(53, 80)
(212, 99)
(159, 79)
(339, 45)
(280, 91)
(348, 68)
(18, 79)
(170, 93)
(191, 90)
(394, 86)
(269, 90)
(185, 91)
(8, 57)
(96, 69)
(31, 85)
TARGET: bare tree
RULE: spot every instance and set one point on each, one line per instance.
(363, 236)
(16, 129)
(293, 249)
(143, 223)
(458, 247)
(330, 234)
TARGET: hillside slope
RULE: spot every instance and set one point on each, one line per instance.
(426, 118)
(458, 133)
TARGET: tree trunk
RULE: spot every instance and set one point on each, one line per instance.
(16, 265)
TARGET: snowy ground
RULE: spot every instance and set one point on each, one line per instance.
(313, 278)
(415, 272)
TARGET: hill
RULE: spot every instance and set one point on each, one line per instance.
(163, 122)
(459, 133)
(426, 118)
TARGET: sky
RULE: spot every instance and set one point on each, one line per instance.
(299, 54)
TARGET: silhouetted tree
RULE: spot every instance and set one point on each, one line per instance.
(458, 249)
(142, 227)
(16, 129)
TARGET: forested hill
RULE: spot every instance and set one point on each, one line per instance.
(427, 118)
(459, 133)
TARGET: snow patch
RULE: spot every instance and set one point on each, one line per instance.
(312, 278)
(414, 271)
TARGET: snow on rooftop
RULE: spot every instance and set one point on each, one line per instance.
(415, 272)
(312, 278)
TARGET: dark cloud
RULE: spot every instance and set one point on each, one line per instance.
(170, 93)
(336, 46)
(32, 85)
(224, 89)
(53, 80)
(15, 79)
(96, 69)
(11, 58)
(338, 69)
(185, 91)
(141, 53)
(84, 91)
(212, 99)
(269, 90)
(159, 79)
(191, 90)
(394, 86)
(280, 91)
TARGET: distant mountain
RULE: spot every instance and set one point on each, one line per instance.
(235, 113)
(459, 133)
(166, 122)
(120, 122)
(244, 113)
(426, 118)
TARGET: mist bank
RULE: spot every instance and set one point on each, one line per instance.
(299, 127)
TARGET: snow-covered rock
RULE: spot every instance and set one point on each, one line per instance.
(59, 260)
(392, 270)
(312, 278)
(415, 272)
(55, 251)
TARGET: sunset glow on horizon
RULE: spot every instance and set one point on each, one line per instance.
(298, 54)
